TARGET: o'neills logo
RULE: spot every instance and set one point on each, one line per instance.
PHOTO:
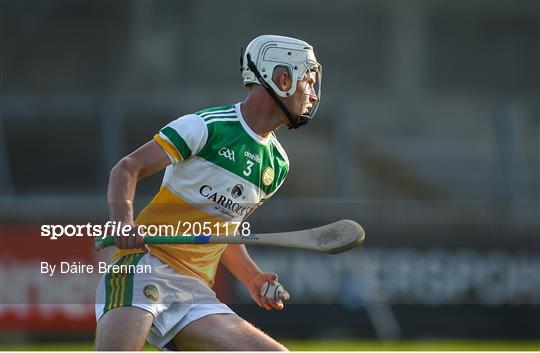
(238, 208)
(253, 156)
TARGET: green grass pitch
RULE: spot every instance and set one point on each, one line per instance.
(328, 345)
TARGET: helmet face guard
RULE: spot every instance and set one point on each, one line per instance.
(313, 90)
(267, 52)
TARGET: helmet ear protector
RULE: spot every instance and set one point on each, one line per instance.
(269, 52)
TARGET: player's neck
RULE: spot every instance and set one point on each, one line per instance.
(260, 116)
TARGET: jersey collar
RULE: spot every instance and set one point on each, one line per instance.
(253, 134)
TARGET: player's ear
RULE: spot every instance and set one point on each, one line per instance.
(282, 78)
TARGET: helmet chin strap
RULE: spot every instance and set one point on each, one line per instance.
(302, 120)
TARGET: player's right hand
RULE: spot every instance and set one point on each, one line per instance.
(254, 288)
(132, 241)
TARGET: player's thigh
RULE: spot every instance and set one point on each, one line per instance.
(219, 332)
(123, 329)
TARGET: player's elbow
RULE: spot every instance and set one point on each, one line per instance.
(126, 165)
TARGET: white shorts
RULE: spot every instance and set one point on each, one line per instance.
(175, 300)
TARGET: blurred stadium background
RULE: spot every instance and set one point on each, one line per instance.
(428, 135)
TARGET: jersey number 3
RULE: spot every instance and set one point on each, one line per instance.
(247, 172)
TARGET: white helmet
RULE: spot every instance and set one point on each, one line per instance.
(267, 52)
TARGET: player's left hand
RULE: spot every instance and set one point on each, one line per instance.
(254, 288)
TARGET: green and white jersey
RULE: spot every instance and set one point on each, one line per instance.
(219, 165)
(221, 170)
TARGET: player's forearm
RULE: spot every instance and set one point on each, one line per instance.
(239, 263)
(146, 160)
(121, 191)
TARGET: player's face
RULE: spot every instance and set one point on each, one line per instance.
(305, 96)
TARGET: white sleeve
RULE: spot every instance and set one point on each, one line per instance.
(183, 137)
